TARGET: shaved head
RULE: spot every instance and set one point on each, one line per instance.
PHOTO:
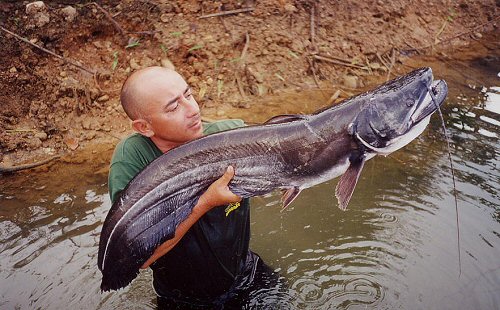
(161, 106)
(144, 87)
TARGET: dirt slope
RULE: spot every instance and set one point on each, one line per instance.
(234, 61)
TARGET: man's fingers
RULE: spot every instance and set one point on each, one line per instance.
(228, 175)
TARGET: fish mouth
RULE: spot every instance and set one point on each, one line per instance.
(434, 98)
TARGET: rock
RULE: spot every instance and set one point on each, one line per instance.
(133, 64)
(147, 62)
(97, 44)
(350, 81)
(72, 143)
(41, 19)
(290, 8)
(41, 135)
(63, 74)
(34, 143)
(477, 35)
(199, 67)
(89, 135)
(7, 161)
(166, 63)
(69, 13)
(243, 105)
(48, 150)
(165, 18)
(107, 44)
(103, 98)
(13, 70)
(94, 93)
(35, 7)
(375, 65)
(86, 124)
(38, 11)
(256, 75)
(193, 80)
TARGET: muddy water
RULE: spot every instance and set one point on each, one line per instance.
(396, 246)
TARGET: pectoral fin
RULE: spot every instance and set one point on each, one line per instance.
(288, 196)
(348, 182)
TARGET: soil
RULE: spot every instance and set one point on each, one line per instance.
(236, 64)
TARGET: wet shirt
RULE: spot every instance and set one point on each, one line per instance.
(205, 263)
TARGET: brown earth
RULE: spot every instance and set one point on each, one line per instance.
(236, 64)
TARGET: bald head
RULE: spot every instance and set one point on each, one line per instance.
(147, 86)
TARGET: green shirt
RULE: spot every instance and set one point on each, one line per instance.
(212, 255)
(136, 151)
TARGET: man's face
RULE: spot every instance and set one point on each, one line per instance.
(171, 110)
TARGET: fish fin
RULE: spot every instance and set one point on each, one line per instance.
(348, 182)
(285, 118)
(288, 196)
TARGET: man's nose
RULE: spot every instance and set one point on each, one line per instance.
(192, 107)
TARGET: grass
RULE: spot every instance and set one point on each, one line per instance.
(115, 61)
(196, 47)
(164, 48)
(133, 44)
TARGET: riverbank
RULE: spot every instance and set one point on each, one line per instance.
(245, 65)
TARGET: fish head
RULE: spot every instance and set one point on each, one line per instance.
(399, 111)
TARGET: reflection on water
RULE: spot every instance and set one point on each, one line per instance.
(396, 246)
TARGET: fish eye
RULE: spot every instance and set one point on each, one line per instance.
(409, 102)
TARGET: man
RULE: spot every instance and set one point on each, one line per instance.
(208, 262)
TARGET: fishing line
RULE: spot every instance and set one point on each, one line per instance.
(452, 176)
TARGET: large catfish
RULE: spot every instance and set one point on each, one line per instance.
(289, 152)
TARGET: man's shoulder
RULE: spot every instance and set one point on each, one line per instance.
(131, 155)
(217, 126)
(135, 147)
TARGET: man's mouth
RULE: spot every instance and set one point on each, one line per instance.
(195, 123)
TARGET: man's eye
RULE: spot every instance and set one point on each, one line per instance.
(173, 107)
(188, 96)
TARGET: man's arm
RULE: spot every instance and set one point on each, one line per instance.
(216, 195)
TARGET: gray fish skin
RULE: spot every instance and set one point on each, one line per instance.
(290, 152)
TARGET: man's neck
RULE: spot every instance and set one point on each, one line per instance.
(163, 145)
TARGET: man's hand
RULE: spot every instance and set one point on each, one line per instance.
(218, 193)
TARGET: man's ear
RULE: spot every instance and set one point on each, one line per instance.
(143, 127)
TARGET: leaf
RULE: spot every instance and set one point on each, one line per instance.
(220, 84)
(202, 92)
(293, 55)
(164, 48)
(196, 47)
(133, 43)
(72, 143)
(176, 33)
(115, 61)
(279, 77)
